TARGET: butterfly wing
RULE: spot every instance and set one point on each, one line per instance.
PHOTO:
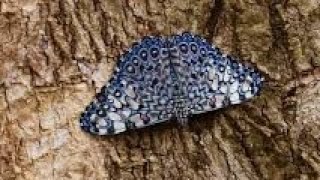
(212, 80)
(138, 95)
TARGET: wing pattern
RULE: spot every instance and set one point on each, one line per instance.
(163, 78)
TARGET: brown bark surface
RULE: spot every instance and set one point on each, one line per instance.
(55, 55)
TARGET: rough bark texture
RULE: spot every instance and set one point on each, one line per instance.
(56, 54)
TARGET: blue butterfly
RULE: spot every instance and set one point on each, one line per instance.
(161, 78)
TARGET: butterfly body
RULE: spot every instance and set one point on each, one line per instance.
(163, 78)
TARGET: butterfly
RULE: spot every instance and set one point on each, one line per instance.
(162, 78)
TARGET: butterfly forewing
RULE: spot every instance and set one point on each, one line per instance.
(210, 79)
(138, 95)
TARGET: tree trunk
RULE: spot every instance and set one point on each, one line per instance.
(56, 54)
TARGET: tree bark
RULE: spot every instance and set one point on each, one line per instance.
(56, 54)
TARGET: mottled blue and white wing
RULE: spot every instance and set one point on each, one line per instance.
(162, 78)
(211, 80)
(139, 94)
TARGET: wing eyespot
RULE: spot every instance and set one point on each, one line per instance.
(183, 47)
(143, 54)
(194, 48)
(135, 60)
(130, 69)
(154, 52)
